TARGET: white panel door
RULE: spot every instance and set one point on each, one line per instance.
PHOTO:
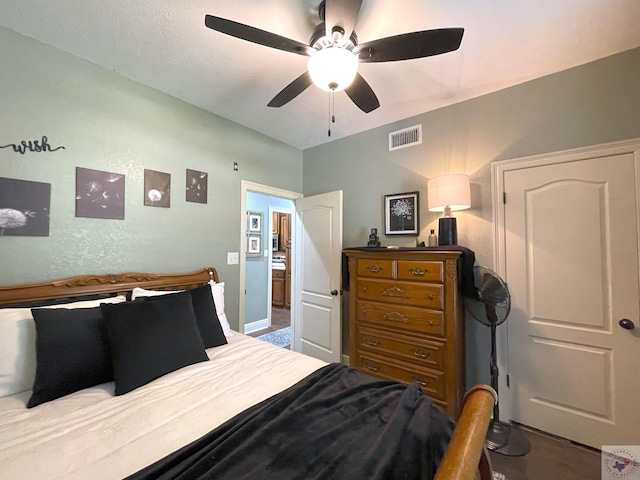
(572, 269)
(318, 269)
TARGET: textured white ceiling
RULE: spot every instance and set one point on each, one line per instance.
(165, 45)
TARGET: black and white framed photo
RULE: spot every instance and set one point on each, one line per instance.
(24, 208)
(196, 186)
(99, 194)
(157, 189)
(402, 213)
(254, 245)
(254, 222)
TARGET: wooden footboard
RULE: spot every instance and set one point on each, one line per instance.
(466, 458)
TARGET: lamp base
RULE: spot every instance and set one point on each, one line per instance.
(447, 231)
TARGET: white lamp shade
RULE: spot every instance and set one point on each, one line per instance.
(451, 191)
(333, 68)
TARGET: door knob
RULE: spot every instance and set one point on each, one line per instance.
(335, 292)
(627, 324)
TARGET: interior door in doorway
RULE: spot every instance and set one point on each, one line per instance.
(317, 276)
(571, 256)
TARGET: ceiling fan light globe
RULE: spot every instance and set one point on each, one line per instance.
(332, 69)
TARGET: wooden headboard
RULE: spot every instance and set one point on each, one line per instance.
(88, 285)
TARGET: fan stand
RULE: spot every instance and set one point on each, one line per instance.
(502, 437)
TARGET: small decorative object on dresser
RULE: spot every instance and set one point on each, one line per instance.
(374, 240)
(407, 320)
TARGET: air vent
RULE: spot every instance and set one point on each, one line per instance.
(406, 137)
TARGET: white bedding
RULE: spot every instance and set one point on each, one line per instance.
(93, 435)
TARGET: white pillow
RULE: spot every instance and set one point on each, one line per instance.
(217, 290)
(141, 292)
(18, 344)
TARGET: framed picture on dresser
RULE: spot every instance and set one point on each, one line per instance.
(402, 214)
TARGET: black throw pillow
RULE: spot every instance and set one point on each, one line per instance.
(72, 352)
(150, 339)
(206, 315)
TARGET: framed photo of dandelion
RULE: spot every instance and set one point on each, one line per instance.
(99, 194)
(24, 208)
(157, 189)
(402, 214)
(196, 186)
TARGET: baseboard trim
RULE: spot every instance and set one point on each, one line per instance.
(255, 326)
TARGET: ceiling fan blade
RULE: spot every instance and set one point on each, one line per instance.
(255, 35)
(410, 45)
(362, 94)
(341, 13)
(291, 91)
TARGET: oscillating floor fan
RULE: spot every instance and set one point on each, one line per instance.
(491, 306)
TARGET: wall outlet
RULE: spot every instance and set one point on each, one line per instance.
(232, 258)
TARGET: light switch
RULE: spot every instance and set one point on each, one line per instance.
(232, 258)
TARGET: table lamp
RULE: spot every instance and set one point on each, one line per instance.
(446, 194)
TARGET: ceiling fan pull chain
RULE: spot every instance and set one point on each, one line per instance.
(333, 109)
(329, 122)
(332, 117)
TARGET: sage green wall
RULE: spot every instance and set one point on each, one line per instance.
(595, 103)
(107, 122)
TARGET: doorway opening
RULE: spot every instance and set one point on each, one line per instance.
(278, 327)
(266, 272)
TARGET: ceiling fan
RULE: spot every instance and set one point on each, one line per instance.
(335, 53)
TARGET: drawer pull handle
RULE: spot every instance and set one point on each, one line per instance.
(395, 292)
(418, 271)
(421, 353)
(420, 380)
(431, 324)
(374, 268)
(431, 296)
(372, 367)
(372, 341)
(396, 317)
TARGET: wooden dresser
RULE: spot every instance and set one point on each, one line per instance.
(407, 320)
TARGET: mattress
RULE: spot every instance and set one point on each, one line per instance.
(93, 434)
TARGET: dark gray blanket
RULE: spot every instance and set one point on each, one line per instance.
(337, 423)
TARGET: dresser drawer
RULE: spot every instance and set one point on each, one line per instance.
(421, 352)
(378, 268)
(405, 293)
(432, 383)
(399, 317)
(425, 271)
(278, 273)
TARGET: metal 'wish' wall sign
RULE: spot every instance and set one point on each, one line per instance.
(36, 146)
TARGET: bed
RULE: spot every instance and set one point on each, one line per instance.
(134, 427)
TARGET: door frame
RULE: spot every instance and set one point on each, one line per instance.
(245, 187)
(498, 170)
